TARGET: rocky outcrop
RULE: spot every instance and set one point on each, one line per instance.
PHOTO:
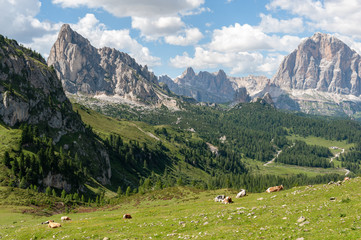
(31, 93)
(324, 63)
(216, 87)
(322, 76)
(204, 86)
(241, 96)
(85, 69)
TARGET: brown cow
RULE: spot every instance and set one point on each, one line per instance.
(53, 224)
(346, 179)
(65, 218)
(127, 216)
(274, 189)
(227, 200)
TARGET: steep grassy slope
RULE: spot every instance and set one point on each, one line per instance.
(152, 135)
(188, 213)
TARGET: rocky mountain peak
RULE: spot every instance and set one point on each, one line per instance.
(221, 74)
(85, 69)
(321, 62)
(188, 73)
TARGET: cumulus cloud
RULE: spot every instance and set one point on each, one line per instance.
(20, 22)
(138, 8)
(238, 62)
(99, 36)
(17, 20)
(273, 25)
(154, 18)
(242, 48)
(155, 28)
(333, 15)
(248, 38)
(189, 37)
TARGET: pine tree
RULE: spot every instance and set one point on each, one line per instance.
(7, 159)
(63, 194)
(119, 191)
(48, 191)
(53, 193)
(129, 190)
(23, 183)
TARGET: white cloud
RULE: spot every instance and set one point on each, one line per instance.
(17, 20)
(154, 18)
(155, 28)
(272, 25)
(138, 8)
(190, 36)
(337, 16)
(99, 36)
(240, 38)
(241, 48)
(238, 62)
(90, 28)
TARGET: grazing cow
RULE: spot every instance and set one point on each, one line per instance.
(274, 189)
(242, 193)
(127, 216)
(219, 198)
(227, 200)
(346, 179)
(65, 218)
(53, 224)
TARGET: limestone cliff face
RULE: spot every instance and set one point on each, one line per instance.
(324, 63)
(31, 93)
(86, 69)
(204, 86)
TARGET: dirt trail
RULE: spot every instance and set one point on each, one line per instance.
(337, 154)
(273, 159)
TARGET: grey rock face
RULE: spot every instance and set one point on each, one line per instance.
(323, 63)
(86, 69)
(204, 86)
(31, 93)
(241, 96)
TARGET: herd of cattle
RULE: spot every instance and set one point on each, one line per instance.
(226, 199)
(220, 198)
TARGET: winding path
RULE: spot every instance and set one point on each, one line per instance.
(273, 159)
(337, 154)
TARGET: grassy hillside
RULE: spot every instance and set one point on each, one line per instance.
(189, 213)
(151, 135)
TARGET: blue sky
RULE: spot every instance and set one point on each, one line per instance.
(240, 36)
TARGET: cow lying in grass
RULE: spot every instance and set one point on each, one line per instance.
(53, 224)
(219, 198)
(227, 200)
(127, 216)
(274, 189)
(65, 218)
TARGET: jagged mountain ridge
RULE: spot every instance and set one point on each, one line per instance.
(215, 87)
(104, 72)
(31, 93)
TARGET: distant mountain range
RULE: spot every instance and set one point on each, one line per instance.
(322, 77)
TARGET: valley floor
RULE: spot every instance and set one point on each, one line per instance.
(329, 211)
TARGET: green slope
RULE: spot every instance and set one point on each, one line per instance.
(188, 213)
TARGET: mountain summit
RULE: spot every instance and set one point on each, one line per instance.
(322, 76)
(324, 63)
(105, 71)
